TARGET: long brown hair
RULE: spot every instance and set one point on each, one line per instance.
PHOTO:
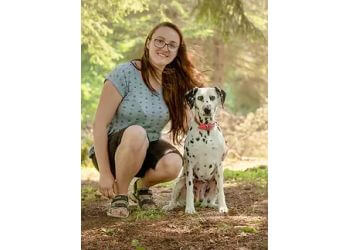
(178, 77)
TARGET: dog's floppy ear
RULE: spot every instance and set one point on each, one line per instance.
(222, 94)
(190, 97)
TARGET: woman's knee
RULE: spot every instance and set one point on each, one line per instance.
(135, 138)
(171, 164)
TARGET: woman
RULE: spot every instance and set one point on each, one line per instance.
(137, 101)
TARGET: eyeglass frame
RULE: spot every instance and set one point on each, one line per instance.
(167, 45)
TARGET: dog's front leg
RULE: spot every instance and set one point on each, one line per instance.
(189, 190)
(219, 177)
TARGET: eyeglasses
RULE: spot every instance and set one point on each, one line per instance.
(161, 43)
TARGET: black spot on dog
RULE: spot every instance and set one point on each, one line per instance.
(208, 201)
(191, 141)
(210, 166)
(203, 140)
(205, 165)
(195, 176)
(189, 183)
(193, 156)
(190, 128)
(197, 138)
(187, 173)
(200, 133)
(208, 132)
(201, 176)
(197, 169)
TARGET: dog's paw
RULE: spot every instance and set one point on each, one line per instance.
(223, 209)
(190, 210)
(168, 207)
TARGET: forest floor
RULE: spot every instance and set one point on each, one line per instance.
(245, 226)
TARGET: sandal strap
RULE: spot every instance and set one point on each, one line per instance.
(115, 205)
(144, 191)
(120, 201)
(120, 197)
(146, 201)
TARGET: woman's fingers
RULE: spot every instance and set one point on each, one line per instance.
(110, 193)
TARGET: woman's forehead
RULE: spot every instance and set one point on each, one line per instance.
(168, 34)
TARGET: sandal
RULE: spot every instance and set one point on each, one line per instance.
(143, 197)
(119, 201)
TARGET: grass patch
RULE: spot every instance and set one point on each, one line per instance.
(137, 245)
(256, 175)
(88, 194)
(149, 214)
(247, 229)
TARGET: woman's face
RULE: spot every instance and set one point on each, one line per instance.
(163, 46)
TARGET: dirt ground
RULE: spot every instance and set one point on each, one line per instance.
(244, 227)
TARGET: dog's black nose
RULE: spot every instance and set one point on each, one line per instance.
(207, 111)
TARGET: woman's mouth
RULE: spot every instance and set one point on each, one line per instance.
(162, 55)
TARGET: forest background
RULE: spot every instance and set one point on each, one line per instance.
(227, 40)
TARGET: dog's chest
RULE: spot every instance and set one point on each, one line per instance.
(204, 152)
(204, 144)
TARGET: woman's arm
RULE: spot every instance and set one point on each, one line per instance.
(109, 102)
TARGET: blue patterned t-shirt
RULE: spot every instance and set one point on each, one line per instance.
(139, 105)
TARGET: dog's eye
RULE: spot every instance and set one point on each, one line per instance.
(212, 98)
(200, 98)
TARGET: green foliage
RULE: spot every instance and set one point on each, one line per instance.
(224, 36)
(248, 229)
(149, 214)
(86, 142)
(89, 194)
(137, 245)
(251, 175)
(228, 18)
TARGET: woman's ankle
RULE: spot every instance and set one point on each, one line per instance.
(141, 183)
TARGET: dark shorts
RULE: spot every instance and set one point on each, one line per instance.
(156, 150)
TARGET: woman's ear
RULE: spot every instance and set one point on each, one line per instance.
(148, 42)
(190, 97)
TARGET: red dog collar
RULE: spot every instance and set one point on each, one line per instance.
(207, 127)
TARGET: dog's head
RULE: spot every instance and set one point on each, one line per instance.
(205, 100)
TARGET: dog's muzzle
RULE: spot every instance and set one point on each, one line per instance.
(207, 111)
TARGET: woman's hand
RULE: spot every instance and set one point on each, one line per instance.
(107, 185)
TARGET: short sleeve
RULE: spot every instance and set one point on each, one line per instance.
(117, 77)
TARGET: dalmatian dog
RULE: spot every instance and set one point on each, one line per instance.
(201, 177)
